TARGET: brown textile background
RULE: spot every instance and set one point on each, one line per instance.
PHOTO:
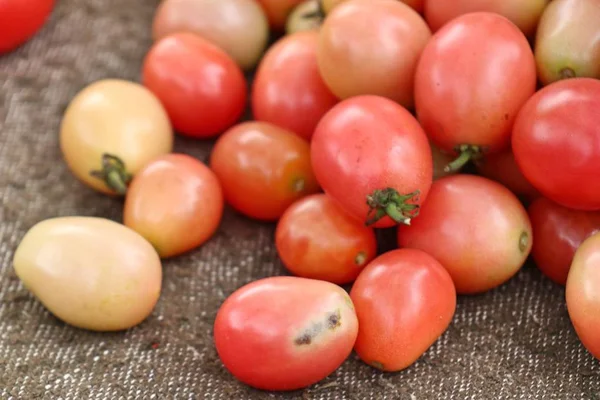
(513, 343)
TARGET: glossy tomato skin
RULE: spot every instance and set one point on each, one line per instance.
(583, 302)
(288, 90)
(556, 142)
(558, 233)
(263, 169)
(405, 300)
(476, 228)
(367, 144)
(300, 329)
(472, 79)
(21, 20)
(316, 239)
(175, 202)
(278, 11)
(202, 88)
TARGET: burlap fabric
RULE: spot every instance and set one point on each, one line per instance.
(515, 342)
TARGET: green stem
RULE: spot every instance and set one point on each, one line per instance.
(466, 153)
(113, 173)
(388, 202)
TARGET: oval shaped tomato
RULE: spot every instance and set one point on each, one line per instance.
(476, 228)
(583, 302)
(556, 142)
(472, 79)
(21, 20)
(372, 156)
(300, 329)
(405, 300)
(263, 169)
(372, 47)
(558, 233)
(306, 16)
(202, 88)
(278, 11)
(316, 239)
(175, 202)
(288, 90)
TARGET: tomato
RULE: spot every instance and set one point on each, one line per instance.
(372, 47)
(583, 302)
(316, 239)
(567, 40)
(558, 233)
(175, 202)
(300, 329)
(288, 90)
(476, 228)
(472, 79)
(202, 88)
(278, 11)
(556, 142)
(263, 169)
(21, 20)
(112, 129)
(306, 16)
(372, 156)
(405, 300)
(328, 5)
(239, 27)
(91, 273)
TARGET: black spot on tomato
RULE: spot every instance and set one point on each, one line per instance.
(334, 320)
(303, 339)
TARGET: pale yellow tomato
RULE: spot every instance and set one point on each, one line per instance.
(306, 16)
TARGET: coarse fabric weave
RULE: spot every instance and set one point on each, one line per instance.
(515, 342)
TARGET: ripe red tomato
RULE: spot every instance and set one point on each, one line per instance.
(476, 228)
(263, 169)
(285, 333)
(472, 79)
(175, 202)
(556, 142)
(316, 239)
(202, 88)
(20, 20)
(583, 302)
(405, 301)
(278, 11)
(372, 156)
(288, 90)
(558, 233)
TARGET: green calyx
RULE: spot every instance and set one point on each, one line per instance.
(466, 153)
(113, 173)
(388, 202)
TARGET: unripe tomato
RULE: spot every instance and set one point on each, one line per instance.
(278, 11)
(306, 16)
(20, 20)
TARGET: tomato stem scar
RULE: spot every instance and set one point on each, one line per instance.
(391, 203)
(113, 173)
(567, 73)
(523, 241)
(467, 153)
(360, 258)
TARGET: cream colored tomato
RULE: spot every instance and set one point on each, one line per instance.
(90, 272)
(305, 17)
(110, 130)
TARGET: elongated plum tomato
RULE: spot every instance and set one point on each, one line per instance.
(558, 233)
(329, 5)
(404, 300)
(21, 20)
(316, 239)
(202, 88)
(175, 202)
(472, 79)
(278, 11)
(288, 90)
(300, 329)
(372, 47)
(111, 130)
(90, 272)
(372, 156)
(556, 142)
(476, 228)
(583, 302)
(567, 41)
(306, 16)
(263, 169)
(239, 27)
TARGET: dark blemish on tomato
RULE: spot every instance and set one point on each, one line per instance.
(506, 117)
(304, 339)
(377, 364)
(334, 320)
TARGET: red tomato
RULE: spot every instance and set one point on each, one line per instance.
(202, 88)
(583, 286)
(472, 79)
(556, 142)
(476, 228)
(175, 202)
(288, 90)
(558, 233)
(20, 20)
(285, 333)
(405, 301)
(372, 156)
(316, 239)
(278, 11)
(263, 169)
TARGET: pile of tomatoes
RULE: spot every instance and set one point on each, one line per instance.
(472, 127)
